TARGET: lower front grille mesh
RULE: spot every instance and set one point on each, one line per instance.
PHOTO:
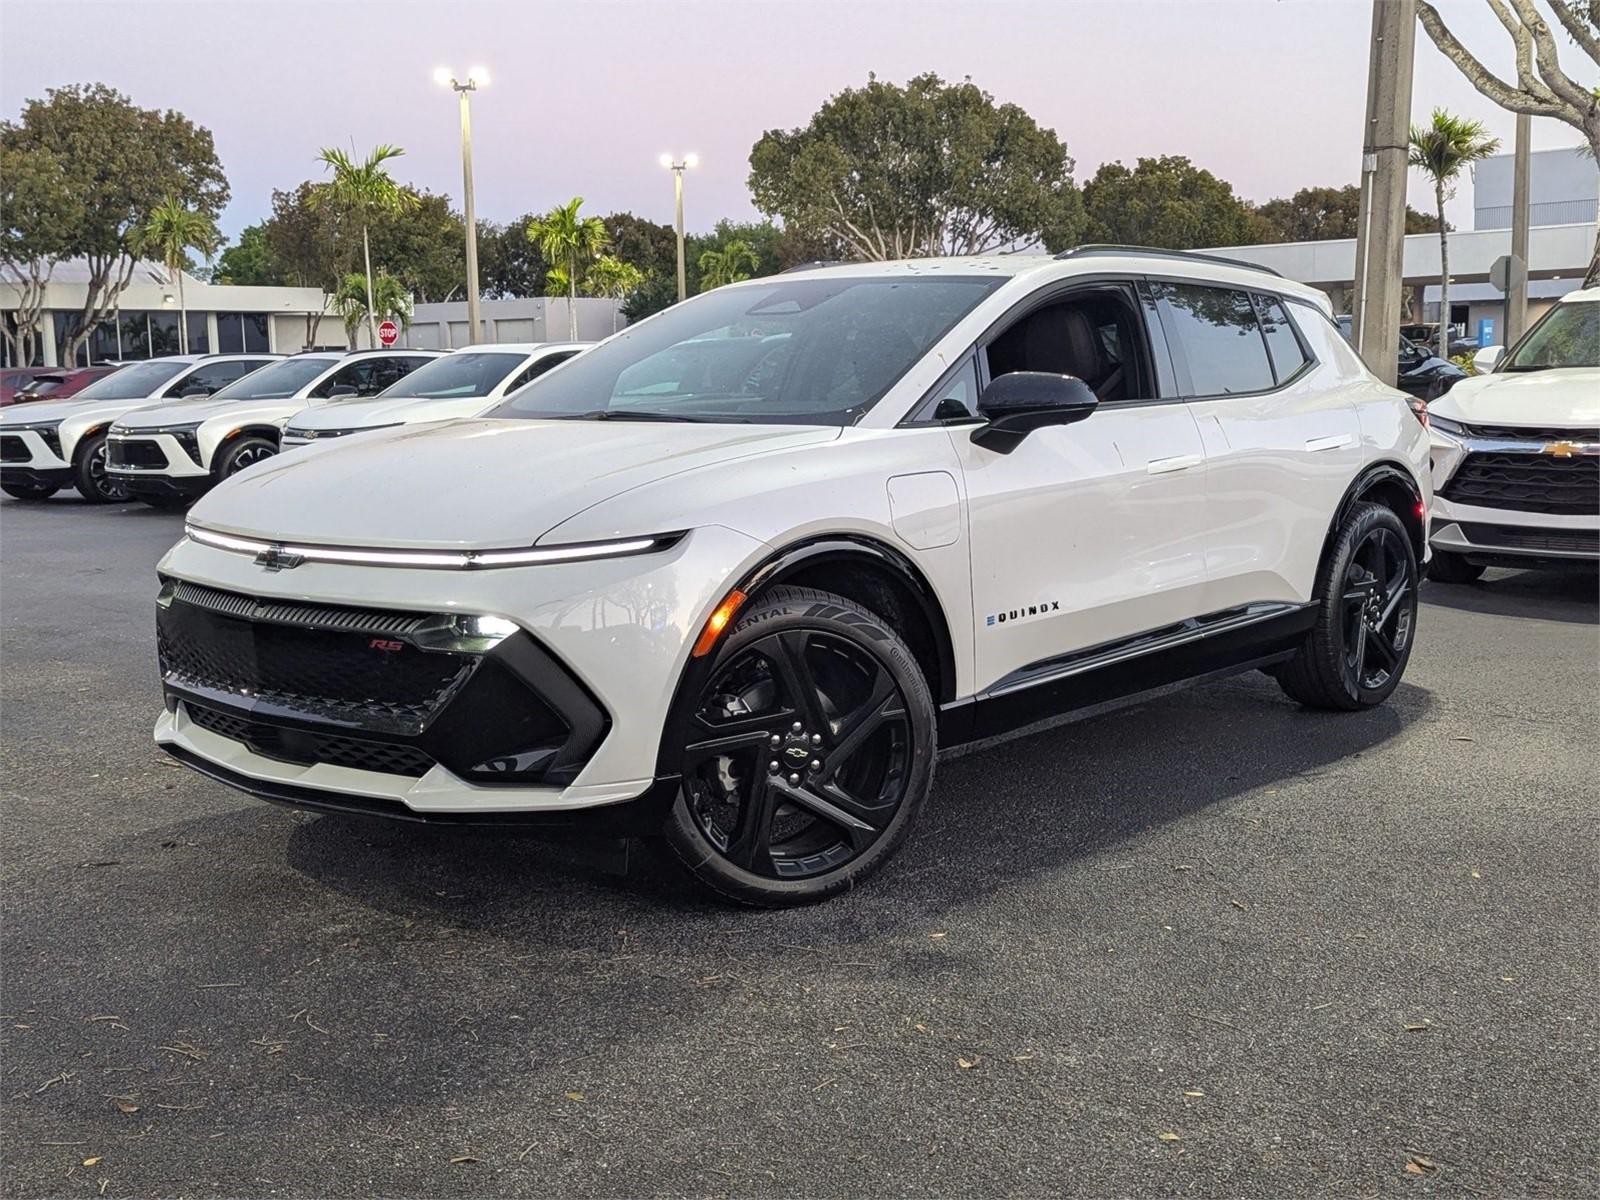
(307, 748)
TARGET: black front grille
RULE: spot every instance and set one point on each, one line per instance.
(1517, 537)
(1541, 483)
(307, 747)
(136, 453)
(13, 448)
(1528, 433)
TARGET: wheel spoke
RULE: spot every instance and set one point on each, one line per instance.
(750, 724)
(1393, 602)
(1379, 641)
(751, 844)
(859, 832)
(731, 743)
(882, 706)
(1359, 653)
(795, 678)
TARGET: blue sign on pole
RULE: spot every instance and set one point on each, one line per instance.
(1486, 331)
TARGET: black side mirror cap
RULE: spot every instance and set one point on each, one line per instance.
(1017, 403)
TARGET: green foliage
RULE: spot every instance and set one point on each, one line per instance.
(733, 262)
(250, 262)
(1445, 146)
(389, 302)
(931, 168)
(1317, 214)
(509, 265)
(568, 241)
(110, 164)
(423, 244)
(302, 239)
(363, 188)
(612, 278)
(37, 217)
(1169, 203)
(172, 230)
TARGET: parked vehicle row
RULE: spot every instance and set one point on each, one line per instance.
(28, 384)
(737, 575)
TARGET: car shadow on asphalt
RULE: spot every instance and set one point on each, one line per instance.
(1572, 597)
(1022, 812)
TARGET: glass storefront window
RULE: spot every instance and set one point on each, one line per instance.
(230, 333)
(164, 334)
(199, 340)
(135, 336)
(255, 332)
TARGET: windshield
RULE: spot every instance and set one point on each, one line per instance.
(818, 351)
(278, 381)
(1567, 336)
(132, 383)
(455, 377)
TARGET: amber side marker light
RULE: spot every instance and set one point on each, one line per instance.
(718, 621)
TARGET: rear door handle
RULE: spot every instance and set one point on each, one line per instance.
(1182, 462)
(1335, 441)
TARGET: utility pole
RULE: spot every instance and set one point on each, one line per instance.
(1380, 232)
(476, 78)
(678, 167)
(1517, 296)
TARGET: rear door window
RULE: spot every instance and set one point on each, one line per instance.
(1220, 339)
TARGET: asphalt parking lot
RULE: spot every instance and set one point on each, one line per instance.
(1211, 946)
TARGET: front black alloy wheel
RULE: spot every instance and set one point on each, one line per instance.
(1367, 600)
(807, 751)
(94, 482)
(245, 452)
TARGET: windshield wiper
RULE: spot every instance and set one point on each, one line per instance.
(633, 414)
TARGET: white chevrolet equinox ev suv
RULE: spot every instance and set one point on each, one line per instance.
(736, 575)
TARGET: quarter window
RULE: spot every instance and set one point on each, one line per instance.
(1220, 338)
(1288, 356)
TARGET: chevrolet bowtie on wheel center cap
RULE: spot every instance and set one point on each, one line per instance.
(808, 745)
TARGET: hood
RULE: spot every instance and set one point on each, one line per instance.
(364, 414)
(1553, 398)
(192, 412)
(38, 411)
(476, 484)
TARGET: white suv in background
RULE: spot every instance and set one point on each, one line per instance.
(46, 445)
(169, 455)
(1516, 452)
(736, 575)
(460, 385)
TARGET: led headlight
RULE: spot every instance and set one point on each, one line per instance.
(282, 555)
(464, 634)
(1446, 425)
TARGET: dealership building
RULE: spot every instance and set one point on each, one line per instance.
(1564, 196)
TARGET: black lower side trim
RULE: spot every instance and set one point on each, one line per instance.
(1084, 691)
(36, 476)
(638, 817)
(163, 487)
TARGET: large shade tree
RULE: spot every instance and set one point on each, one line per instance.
(171, 231)
(884, 171)
(37, 217)
(569, 242)
(1319, 214)
(113, 164)
(363, 191)
(1441, 150)
(1542, 87)
(1167, 202)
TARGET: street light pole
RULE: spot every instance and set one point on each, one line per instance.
(476, 78)
(677, 168)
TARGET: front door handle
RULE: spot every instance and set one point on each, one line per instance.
(1182, 462)
(1335, 441)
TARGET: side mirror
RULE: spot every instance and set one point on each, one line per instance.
(1017, 403)
(341, 391)
(195, 392)
(1488, 359)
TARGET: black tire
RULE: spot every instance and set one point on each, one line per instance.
(29, 491)
(1366, 616)
(845, 793)
(89, 475)
(243, 453)
(1445, 567)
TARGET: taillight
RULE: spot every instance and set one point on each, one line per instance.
(1419, 409)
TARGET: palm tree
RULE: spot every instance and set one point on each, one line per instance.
(727, 265)
(569, 244)
(616, 280)
(1441, 149)
(170, 232)
(364, 190)
(384, 299)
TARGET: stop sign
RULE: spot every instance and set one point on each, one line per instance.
(388, 333)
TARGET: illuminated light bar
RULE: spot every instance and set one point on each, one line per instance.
(285, 554)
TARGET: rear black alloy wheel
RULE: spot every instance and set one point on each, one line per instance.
(1367, 595)
(807, 751)
(244, 453)
(29, 491)
(90, 475)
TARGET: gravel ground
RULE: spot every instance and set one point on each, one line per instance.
(1213, 946)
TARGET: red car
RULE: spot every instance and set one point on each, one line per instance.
(53, 383)
(13, 379)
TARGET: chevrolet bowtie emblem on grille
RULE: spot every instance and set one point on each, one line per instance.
(276, 558)
(1566, 449)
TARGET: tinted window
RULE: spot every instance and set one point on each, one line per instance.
(1217, 331)
(1282, 344)
(1566, 336)
(807, 351)
(213, 377)
(458, 376)
(278, 380)
(132, 383)
(368, 376)
(539, 368)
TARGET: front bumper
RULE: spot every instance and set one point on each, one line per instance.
(28, 456)
(620, 628)
(131, 455)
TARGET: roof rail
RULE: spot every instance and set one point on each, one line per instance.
(1093, 249)
(813, 265)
